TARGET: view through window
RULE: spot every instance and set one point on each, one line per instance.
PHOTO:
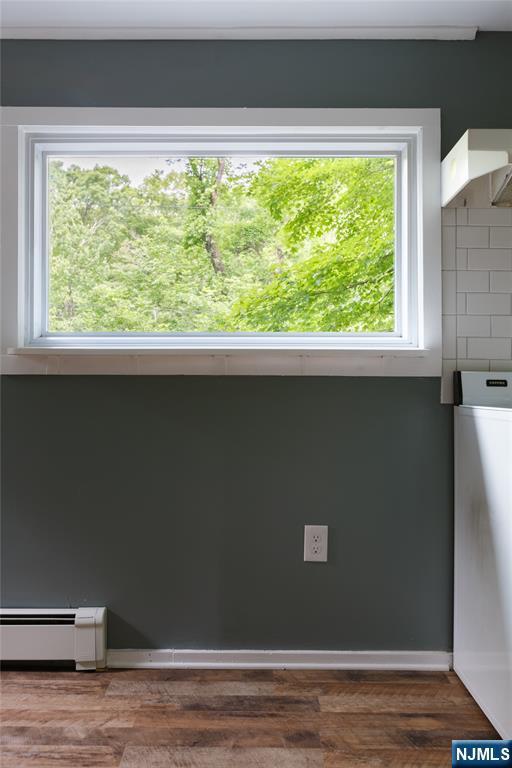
(221, 244)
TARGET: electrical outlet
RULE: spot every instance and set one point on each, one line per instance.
(315, 543)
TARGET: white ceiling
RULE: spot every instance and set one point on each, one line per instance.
(253, 19)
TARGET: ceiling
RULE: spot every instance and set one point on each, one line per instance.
(253, 19)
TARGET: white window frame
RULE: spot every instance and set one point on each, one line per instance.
(411, 136)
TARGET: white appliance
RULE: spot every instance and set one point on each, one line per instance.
(50, 634)
(482, 653)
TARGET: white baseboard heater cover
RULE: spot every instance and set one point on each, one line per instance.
(161, 658)
(55, 634)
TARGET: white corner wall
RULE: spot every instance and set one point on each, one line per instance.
(477, 292)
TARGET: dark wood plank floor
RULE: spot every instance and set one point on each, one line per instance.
(234, 719)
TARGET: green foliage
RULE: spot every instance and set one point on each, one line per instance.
(337, 215)
(286, 244)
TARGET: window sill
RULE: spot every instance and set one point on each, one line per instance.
(275, 350)
(143, 361)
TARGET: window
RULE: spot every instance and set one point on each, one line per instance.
(221, 244)
(272, 234)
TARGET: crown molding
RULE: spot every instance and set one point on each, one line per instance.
(240, 33)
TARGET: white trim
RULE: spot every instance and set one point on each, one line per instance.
(398, 143)
(254, 363)
(416, 129)
(278, 659)
(241, 33)
(224, 116)
(312, 346)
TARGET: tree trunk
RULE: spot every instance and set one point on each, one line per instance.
(213, 252)
(212, 249)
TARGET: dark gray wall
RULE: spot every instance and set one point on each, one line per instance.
(466, 79)
(179, 502)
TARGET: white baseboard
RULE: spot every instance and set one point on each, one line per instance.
(423, 661)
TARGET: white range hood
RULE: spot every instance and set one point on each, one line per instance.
(478, 171)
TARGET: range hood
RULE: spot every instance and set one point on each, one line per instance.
(478, 171)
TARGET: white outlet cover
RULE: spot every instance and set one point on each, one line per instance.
(315, 543)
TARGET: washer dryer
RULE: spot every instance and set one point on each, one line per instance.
(482, 653)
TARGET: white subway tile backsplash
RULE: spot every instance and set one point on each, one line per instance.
(501, 326)
(488, 304)
(494, 217)
(449, 336)
(472, 282)
(462, 349)
(449, 289)
(448, 247)
(473, 365)
(501, 282)
(477, 291)
(487, 258)
(490, 349)
(449, 218)
(462, 217)
(501, 365)
(501, 237)
(472, 237)
(461, 258)
(461, 303)
(474, 325)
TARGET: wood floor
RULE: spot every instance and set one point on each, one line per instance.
(234, 719)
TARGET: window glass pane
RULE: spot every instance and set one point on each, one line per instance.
(221, 244)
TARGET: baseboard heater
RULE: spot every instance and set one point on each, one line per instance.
(55, 634)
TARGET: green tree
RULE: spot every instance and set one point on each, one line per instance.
(283, 244)
(203, 179)
(337, 217)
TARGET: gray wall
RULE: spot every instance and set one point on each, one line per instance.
(466, 79)
(179, 502)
